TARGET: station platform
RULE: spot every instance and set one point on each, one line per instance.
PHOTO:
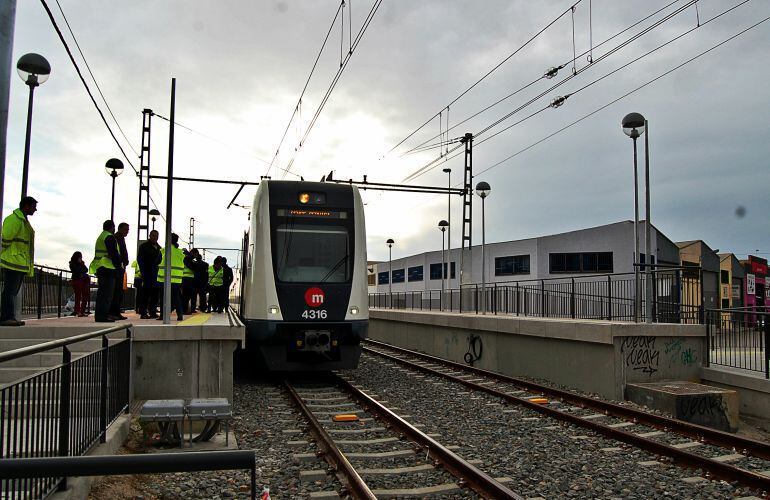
(185, 359)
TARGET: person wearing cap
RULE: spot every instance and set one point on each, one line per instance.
(17, 258)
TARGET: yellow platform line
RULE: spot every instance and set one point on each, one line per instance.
(197, 319)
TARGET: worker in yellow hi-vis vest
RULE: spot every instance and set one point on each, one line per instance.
(177, 272)
(17, 258)
(106, 262)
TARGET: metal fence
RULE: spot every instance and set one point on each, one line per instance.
(49, 293)
(63, 411)
(739, 338)
(676, 298)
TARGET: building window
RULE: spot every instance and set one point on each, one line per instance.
(510, 265)
(398, 276)
(435, 270)
(725, 277)
(382, 278)
(725, 303)
(585, 262)
(370, 279)
(415, 273)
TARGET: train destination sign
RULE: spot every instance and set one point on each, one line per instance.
(316, 213)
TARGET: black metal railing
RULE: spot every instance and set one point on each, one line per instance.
(49, 293)
(63, 411)
(676, 298)
(739, 338)
(155, 463)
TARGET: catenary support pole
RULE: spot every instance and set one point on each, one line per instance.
(647, 224)
(169, 205)
(7, 21)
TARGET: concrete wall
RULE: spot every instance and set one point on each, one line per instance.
(594, 356)
(754, 391)
(185, 361)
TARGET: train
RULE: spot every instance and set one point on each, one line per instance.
(303, 284)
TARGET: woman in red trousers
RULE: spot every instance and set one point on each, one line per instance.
(81, 282)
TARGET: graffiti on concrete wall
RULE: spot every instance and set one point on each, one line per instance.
(678, 353)
(639, 353)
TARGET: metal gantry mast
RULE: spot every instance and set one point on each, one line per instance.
(467, 207)
(192, 233)
(143, 218)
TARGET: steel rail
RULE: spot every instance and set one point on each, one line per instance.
(701, 433)
(719, 469)
(470, 475)
(355, 484)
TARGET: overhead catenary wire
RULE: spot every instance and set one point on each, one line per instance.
(484, 77)
(432, 164)
(96, 83)
(85, 85)
(90, 94)
(304, 88)
(550, 73)
(348, 57)
(636, 89)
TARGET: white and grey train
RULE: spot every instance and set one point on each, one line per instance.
(304, 293)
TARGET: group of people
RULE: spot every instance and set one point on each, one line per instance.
(195, 285)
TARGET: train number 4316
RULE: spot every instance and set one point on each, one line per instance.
(314, 314)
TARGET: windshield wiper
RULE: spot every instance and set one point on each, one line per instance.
(336, 266)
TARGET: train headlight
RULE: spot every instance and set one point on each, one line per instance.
(273, 309)
(304, 198)
(354, 310)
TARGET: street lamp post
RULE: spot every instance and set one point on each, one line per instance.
(34, 70)
(443, 226)
(390, 243)
(633, 126)
(154, 213)
(483, 190)
(114, 168)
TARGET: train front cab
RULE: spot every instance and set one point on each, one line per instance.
(319, 313)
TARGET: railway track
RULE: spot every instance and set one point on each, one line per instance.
(380, 435)
(720, 454)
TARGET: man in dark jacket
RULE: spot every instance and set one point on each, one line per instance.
(189, 293)
(201, 282)
(148, 258)
(120, 272)
(227, 281)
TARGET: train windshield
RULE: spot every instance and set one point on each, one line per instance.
(308, 253)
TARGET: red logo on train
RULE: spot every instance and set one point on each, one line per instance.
(314, 297)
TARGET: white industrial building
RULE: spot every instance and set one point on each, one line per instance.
(597, 250)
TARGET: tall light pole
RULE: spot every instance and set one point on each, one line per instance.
(390, 243)
(633, 126)
(114, 168)
(34, 70)
(154, 213)
(483, 190)
(448, 172)
(443, 226)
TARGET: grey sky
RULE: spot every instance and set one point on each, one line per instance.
(241, 65)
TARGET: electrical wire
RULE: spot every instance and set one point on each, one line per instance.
(88, 67)
(336, 79)
(307, 82)
(550, 73)
(640, 87)
(495, 68)
(85, 85)
(432, 164)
